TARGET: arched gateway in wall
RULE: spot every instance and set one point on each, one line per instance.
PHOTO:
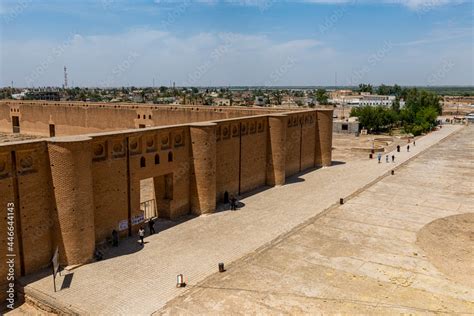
(70, 192)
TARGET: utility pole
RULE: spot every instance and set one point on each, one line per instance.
(65, 78)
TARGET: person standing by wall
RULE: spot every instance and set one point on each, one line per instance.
(151, 226)
(115, 238)
(141, 234)
(233, 203)
(226, 197)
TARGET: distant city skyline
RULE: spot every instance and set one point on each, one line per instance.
(237, 43)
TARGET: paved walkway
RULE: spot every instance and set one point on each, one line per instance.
(404, 245)
(141, 280)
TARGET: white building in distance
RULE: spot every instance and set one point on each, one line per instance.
(376, 100)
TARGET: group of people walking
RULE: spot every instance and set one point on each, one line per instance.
(379, 157)
(387, 158)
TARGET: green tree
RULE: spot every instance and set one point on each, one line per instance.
(321, 96)
(420, 112)
(396, 105)
(375, 119)
(395, 90)
(365, 88)
(278, 97)
(418, 116)
(383, 90)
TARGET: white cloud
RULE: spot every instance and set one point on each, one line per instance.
(420, 4)
(411, 4)
(93, 60)
(139, 55)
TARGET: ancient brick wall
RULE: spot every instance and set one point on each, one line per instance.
(164, 151)
(227, 165)
(25, 180)
(254, 154)
(74, 118)
(242, 155)
(293, 144)
(308, 141)
(109, 169)
(324, 137)
(5, 118)
(71, 192)
(71, 173)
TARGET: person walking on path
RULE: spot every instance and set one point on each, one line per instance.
(151, 225)
(386, 158)
(141, 234)
(408, 148)
(414, 143)
(393, 158)
(379, 157)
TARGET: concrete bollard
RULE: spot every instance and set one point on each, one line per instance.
(180, 281)
(221, 267)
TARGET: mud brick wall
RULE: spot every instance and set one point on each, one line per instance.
(70, 192)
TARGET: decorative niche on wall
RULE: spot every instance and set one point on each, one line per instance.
(235, 130)
(150, 143)
(225, 132)
(252, 127)
(135, 146)
(26, 163)
(178, 139)
(243, 128)
(165, 140)
(99, 151)
(118, 148)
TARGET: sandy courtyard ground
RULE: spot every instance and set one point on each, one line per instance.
(404, 245)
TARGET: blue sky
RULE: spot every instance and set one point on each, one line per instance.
(239, 42)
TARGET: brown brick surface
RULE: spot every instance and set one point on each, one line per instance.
(73, 191)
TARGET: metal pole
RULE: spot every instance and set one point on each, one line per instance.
(54, 279)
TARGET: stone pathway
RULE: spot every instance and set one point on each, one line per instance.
(372, 255)
(142, 280)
